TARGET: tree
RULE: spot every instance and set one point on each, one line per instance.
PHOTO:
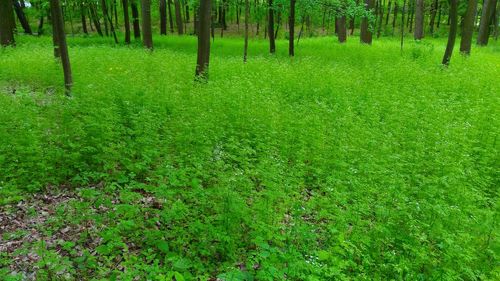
(147, 35)
(22, 17)
(468, 27)
(135, 19)
(453, 32)
(484, 26)
(419, 20)
(178, 17)
(7, 23)
(163, 17)
(247, 19)
(126, 21)
(366, 34)
(291, 25)
(203, 58)
(62, 46)
(270, 27)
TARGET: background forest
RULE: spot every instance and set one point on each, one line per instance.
(249, 140)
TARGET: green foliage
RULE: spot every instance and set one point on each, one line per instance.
(348, 162)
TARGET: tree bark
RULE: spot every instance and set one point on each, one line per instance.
(95, 19)
(434, 7)
(170, 19)
(126, 21)
(453, 32)
(58, 25)
(7, 24)
(135, 20)
(366, 34)
(270, 27)
(342, 29)
(178, 17)
(147, 35)
(203, 58)
(468, 27)
(22, 17)
(163, 17)
(291, 27)
(419, 20)
(83, 18)
(483, 35)
(247, 19)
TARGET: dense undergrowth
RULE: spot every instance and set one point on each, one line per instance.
(347, 162)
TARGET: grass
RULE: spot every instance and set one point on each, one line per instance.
(345, 162)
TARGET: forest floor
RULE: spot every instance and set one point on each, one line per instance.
(347, 162)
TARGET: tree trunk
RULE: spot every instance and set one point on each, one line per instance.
(453, 31)
(105, 16)
(135, 20)
(483, 35)
(170, 19)
(468, 27)
(178, 17)
(203, 58)
(389, 9)
(126, 21)
(58, 26)
(291, 27)
(147, 35)
(7, 24)
(440, 7)
(95, 19)
(270, 27)
(83, 18)
(381, 18)
(247, 18)
(366, 34)
(403, 24)
(419, 20)
(433, 12)
(342, 29)
(22, 17)
(163, 17)
(40, 23)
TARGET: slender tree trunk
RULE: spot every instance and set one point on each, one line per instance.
(395, 17)
(342, 29)
(483, 35)
(83, 18)
(55, 40)
(291, 26)
(95, 19)
(178, 17)
(105, 16)
(247, 18)
(21, 16)
(163, 17)
(403, 24)
(270, 27)
(440, 8)
(203, 59)
(58, 25)
(147, 35)
(381, 18)
(170, 18)
(108, 18)
(453, 31)
(434, 7)
(126, 21)
(468, 27)
(7, 24)
(389, 9)
(419, 20)
(366, 34)
(135, 19)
